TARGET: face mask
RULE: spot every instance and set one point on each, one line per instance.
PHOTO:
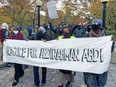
(15, 32)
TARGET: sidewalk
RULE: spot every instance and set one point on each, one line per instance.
(6, 77)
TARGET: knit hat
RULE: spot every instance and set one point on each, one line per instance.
(18, 28)
(42, 29)
(96, 24)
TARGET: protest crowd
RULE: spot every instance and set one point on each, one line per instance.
(48, 32)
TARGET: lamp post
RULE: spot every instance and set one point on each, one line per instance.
(104, 12)
(39, 4)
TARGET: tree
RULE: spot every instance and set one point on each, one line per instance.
(19, 11)
(78, 8)
(95, 9)
(111, 13)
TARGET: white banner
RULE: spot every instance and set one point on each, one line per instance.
(52, 10)
(79, 54)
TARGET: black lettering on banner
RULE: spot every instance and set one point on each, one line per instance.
(85, 55)
(45, 53)
(15, 51)
(63, 55)
(77, 54)
(12, 51)
(101, 58)
(54, 54)
(51, 54)
(8, 51)
(23, 52)
(74, 54)
(32, 52)
(96, 55)
(70, 53)
(58, 54)
(41, 52)
(92, 55)
(67, 54)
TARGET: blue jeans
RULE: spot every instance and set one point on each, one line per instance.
(36, 75)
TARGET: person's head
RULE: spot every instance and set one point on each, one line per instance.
(5, 26)
(12, 28)
(60, 26)
(29, 31)
(15, 29)
(41, 29)
(79, 26)
(18, 28)
(66, 30)
(96, 25)
(96, 28)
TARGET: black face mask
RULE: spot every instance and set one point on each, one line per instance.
(40, 34)
(95, 27)
(79, 26)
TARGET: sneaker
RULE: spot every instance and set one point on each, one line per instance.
(15, 83)
(9, 64)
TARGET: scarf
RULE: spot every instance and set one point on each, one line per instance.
(93, 34)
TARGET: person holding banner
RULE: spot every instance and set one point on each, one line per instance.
(4, 31)
(57, 31)
(41, 35)
(93, 79)
(66, 77)
(16, 35)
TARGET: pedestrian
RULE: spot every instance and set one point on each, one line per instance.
(1, 43)
(1, 35)
(41, 35)
(16, 35)
(93, 79)
(58, 31)
(4, 31)
(30, 33)
(79, 31)
(66, 77)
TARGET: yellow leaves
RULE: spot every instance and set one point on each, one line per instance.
(1, 9)
(95, 9)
